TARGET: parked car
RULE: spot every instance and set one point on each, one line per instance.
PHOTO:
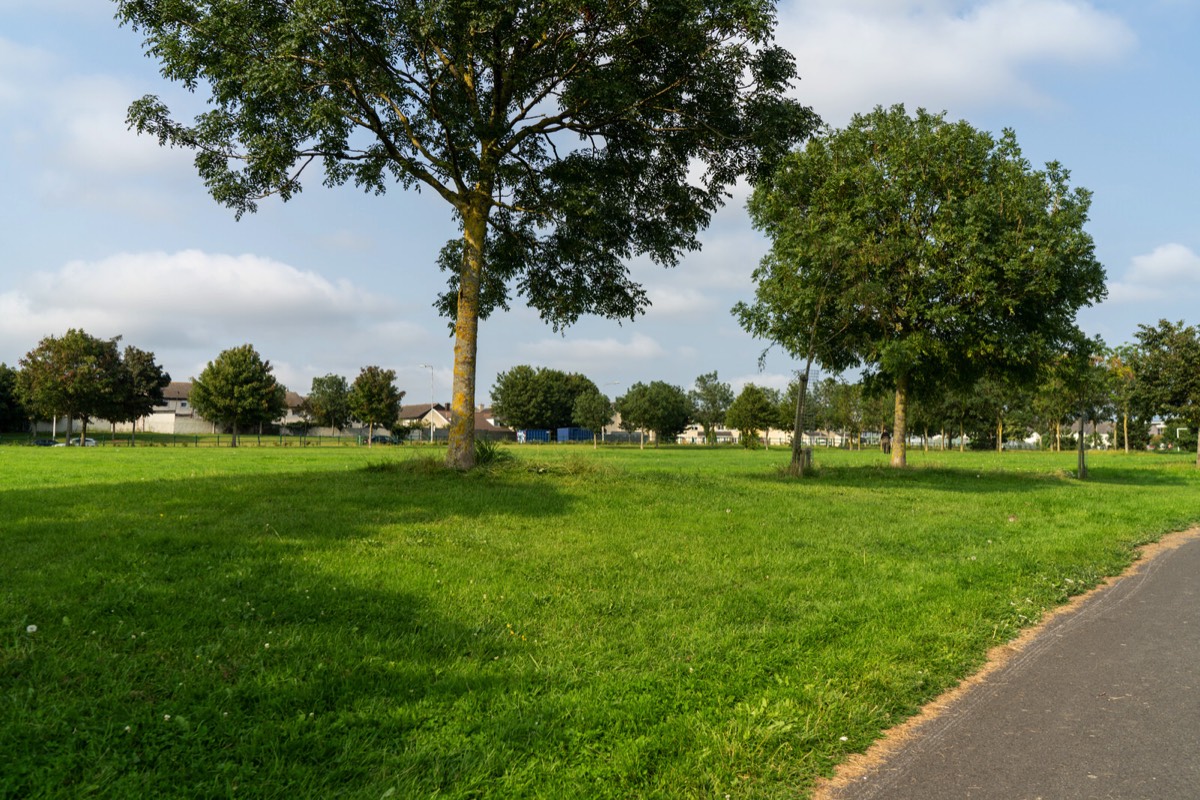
(44, 443)
(87, 442)
(381, 439)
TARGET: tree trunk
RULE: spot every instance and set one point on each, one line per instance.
(962, 437)
(233, 439)
(1125, 432)
(900, 433)
(460, 452)
(1058, 437)
(796, 467)
(999, 435)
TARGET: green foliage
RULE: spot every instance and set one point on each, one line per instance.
(566, 140)
(658, 406)
(140, 384)
(558, 631)
(1167, 369)
(238, 389)
(594, 411)
(541, 398)
(753, 411)
(918, 247)
(329, 401)
(374, 399)
(13, 416)
(75, 375)
(710, 401)
(488, 453)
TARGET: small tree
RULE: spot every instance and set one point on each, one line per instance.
(1167, 367)
(710, 401)
(658, 406)
(329, 401)
(593, 410)
(375, 400)
(753, 411)
(139, 388)
(238, 389)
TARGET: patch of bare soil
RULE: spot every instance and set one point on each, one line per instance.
(858, 766)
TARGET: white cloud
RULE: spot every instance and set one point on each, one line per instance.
(195, 301)
(1169, 274)
(1166, 266)
(856, 54)
(562, 353)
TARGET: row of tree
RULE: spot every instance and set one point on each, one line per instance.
(82, 377)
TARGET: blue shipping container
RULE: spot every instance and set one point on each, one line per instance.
(533, 436)
(574, 435)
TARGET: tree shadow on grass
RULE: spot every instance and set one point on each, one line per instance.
(877, 477)
(276, 631)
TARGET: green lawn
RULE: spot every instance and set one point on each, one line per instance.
(345, 622)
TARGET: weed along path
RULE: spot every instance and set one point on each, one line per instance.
(1100, 700)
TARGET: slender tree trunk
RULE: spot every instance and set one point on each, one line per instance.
(233, 439)
(1058, 437)
(900, 433)
(962, 437)
(1125, 432)
(460, 452)
(999, 435)
(796, 468)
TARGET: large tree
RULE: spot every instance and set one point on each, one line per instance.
(928, 246)
(527, 397)
(567, 137)
(1167, 366)
(238, 388)
(710, 398)
(75, 375)
(375, 400)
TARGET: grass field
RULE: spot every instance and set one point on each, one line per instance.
(345, 622)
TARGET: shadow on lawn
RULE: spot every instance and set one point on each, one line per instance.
(261, 609)
(975, 481)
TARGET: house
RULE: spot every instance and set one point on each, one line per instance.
(421, 414)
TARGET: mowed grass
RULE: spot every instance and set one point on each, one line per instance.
(360, 623)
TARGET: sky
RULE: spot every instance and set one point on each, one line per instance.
(103, 230)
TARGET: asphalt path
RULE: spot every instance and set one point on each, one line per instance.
(1102, 701)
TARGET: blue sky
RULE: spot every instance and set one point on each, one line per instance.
(106, 231)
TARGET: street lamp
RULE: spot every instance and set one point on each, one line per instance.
(430, 368)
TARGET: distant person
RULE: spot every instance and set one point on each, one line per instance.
(885, 442)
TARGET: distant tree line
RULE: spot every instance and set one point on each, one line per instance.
(81, 377)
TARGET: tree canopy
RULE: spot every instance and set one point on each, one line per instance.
(593, 410)
(658, 406)
(75, 375)
(710, 398)
(755, 410)
(328, 401)
(1168, 371)
(13, 415)
(526, 397)
(374, 399)
(566, 137)
(916, 246)
(238, 389)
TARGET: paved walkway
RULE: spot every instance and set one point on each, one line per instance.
(1102, 702)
